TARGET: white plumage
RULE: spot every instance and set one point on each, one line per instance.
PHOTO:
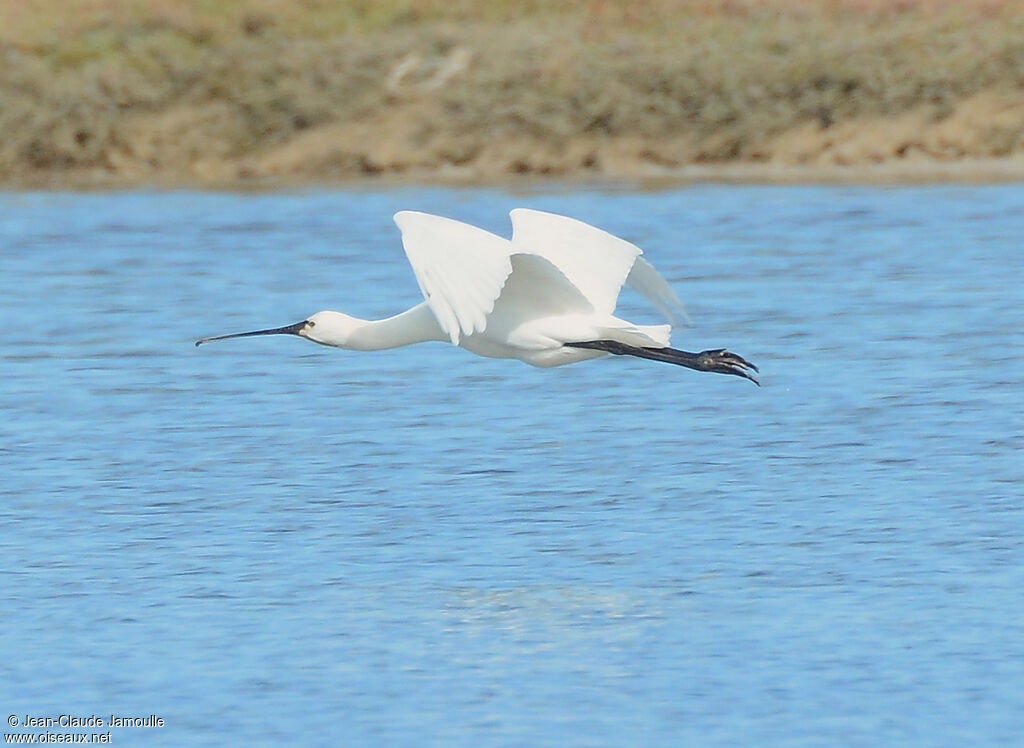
(546, 297)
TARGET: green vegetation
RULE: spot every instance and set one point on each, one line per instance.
(116, 91)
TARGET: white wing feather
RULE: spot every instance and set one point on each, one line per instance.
(649, 283)
(460, 269)
(596, 262)
(593, 260)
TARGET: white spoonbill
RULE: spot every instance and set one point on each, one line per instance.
(546, 297)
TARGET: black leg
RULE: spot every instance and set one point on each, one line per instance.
(719, 360)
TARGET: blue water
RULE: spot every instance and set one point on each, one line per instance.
(268, 542)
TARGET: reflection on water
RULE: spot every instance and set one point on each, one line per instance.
(271, 541)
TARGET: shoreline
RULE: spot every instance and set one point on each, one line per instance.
(643, 176)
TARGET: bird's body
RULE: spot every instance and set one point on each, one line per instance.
(546, 297)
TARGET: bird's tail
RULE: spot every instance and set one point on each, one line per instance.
(643, 336)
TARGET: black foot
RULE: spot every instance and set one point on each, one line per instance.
(722, 361)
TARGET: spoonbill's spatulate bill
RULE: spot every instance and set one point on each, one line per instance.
(546, 297)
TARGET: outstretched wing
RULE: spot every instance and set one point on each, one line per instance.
(594, 261)
(650, 284)
(460, 269)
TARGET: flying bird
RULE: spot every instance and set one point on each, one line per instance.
(546, 297)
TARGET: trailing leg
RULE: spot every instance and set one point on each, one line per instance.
(719, 360)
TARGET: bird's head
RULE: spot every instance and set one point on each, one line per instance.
(326, 328)
(329, 328)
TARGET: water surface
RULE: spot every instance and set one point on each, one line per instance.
(264, 541)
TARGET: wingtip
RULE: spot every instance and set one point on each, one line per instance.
(403, 217)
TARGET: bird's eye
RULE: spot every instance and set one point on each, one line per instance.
(311, 323)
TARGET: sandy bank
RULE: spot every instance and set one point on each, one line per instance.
(126, 93)
(910, 148)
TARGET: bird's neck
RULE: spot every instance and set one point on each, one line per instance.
(416, 325)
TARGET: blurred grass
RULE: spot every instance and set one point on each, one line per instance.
(219, 89)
